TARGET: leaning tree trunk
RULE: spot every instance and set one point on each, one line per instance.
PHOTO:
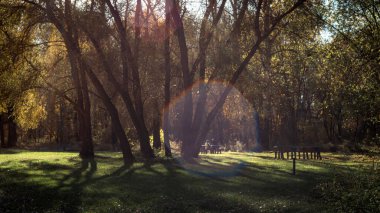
(201, 104)
(112, 110)
(70, 36)
(262, 36)
(83, 104)
(117, 127)
(145, 147)
(190, 127)
(130, 61)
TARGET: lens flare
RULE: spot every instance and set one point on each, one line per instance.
(234, 129)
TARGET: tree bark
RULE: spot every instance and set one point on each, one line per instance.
(187, 133)
(156, 133)
(87, 149)
(12, 129)
(260, 38)
(116, 124)
(166, 125)
(2, 136)
(83, 107)
(204, 41)
(135, 108)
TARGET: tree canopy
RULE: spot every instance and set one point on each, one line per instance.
(97, 73)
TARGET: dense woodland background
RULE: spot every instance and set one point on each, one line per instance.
(139, 75)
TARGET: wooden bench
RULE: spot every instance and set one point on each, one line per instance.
(306, 152)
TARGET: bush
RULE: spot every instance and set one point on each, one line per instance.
(352, 192)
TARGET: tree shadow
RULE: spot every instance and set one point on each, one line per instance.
(74, 183)
(77, 174)
(10, 151)
(45, 166)
(265, 157)
(121, 170)
(199, 192)
(165, 185)
(18, 193)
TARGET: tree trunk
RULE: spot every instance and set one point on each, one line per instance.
(124, 143)
(267, 65)
(60, 125)
(12, 129)
(290, 125)
(83, 105)
(145, 147)
(261, 37)
(87, 151)
(204, 40)
(115, 119)
(156, 134)
(142, 132)
(70, 36)
(2, 137)
(135, 109)
(257, 134)
(187, 133)
(166, 125)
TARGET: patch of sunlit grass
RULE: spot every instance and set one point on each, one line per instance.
(228, 182)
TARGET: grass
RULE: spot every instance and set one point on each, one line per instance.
(230, 182)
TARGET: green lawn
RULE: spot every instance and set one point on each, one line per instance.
(231, 182)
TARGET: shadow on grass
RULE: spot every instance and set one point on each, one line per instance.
(200, 192)
(24, 192)
(266, 157)
(10, 151)
(156, 186)
(75, 177)
(45, 166)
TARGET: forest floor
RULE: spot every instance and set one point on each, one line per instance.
(228, 182)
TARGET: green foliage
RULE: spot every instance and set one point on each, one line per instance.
(30, 111)
(353, 192)
(351, 67)
(17, 53)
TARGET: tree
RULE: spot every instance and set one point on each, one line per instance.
(351, 98)
(166, 124)
(195, 133)
(17, 99)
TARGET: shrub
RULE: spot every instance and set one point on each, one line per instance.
(352, 192)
